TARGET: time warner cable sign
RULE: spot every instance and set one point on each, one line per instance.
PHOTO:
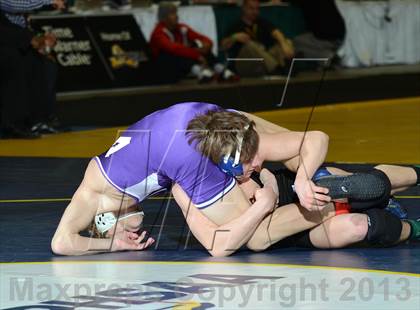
(96, 52)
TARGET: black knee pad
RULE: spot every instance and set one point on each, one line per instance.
(381, 202)
(384, 228)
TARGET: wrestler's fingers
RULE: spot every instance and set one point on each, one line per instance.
(141, 237)
(132, 235)
(129, 246)
(320, 198)
(319, 189)
(150, 241)
(146, 244)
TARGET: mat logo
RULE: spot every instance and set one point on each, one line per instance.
(212, 291)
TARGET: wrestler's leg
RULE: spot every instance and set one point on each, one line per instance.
(356, 224)
(347, 229)
(286, 221)
(340, 231)
(395, 179)
(400, 177)
(283, 222)
(337, 171)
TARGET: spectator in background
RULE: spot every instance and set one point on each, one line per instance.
(179, 50)
(13, 111)
(28, 82)
(255, 37)
(325, 30)
(123, 5)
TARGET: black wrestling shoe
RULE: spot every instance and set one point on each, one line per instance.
(359, 186)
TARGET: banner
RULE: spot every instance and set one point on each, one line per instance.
(97, 52)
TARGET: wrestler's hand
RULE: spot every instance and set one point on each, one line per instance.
(266, 198)
(311, 196)
(126, 240)
(268, 179)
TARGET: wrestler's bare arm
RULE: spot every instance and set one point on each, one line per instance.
(265, 126)
(93, 196)
(301, 152)
(286, 146)
(223, 240)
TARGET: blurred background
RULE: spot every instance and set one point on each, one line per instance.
(72, 73)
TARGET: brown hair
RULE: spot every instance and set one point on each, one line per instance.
(94, 232)
(216, 133)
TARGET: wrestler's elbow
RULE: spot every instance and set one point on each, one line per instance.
(258, 244)
(220, 253)
(316, 142)
(320, 136)
(221, 250)
(60, 245)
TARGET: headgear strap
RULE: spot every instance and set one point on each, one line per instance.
(105, 221)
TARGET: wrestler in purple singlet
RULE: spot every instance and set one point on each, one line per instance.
(154, 153)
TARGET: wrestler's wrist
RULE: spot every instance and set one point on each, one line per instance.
(301, 178)
(265, 203)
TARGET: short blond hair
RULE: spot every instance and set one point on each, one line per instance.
(217, 133)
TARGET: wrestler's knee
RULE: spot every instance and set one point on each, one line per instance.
(381, 167)
(258, 242)
(357, 227)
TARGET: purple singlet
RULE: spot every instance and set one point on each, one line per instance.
(154, 153)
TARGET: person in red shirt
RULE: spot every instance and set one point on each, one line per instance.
(179, 50)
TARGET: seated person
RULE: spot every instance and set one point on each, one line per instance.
(179, 50)
(255, 37)
(122, 5)
(325, 32)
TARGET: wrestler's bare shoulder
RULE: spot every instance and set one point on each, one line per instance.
(263, 126)
(95, 181)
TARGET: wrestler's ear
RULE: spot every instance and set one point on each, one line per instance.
(111, 231)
